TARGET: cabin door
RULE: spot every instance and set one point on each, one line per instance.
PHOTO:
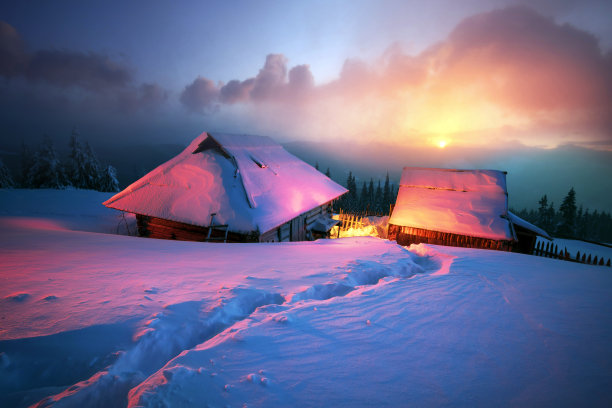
(297, 229)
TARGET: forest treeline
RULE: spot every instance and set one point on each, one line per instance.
(368, 199)
(569, 220)
(43, 168)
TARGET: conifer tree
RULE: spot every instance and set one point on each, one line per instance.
(378, 198)
(91, 169)
(6, 180)
(567, 226)
(46, 170)
(108, 180)
(386, 200)
(27, 160)
(363, 197)
(328, 173)
(76, 171)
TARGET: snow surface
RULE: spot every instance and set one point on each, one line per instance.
(95, 319)
(259, 187)
(464, 202)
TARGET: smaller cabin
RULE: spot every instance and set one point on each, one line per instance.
(464, 208)
(232, 188)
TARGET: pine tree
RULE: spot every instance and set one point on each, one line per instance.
(543, 214)
(567, 227)
(371, 194)
(378, 196)
(91, 169)
(46, 170)
(76, 171)
(108, 180)
(386, 200)
(6, 180)
(363, 197)
(27, 161)
(328, 173)
(317, 165)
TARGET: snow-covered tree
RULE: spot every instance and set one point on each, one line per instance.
(108, 180)
(6, 180)
(75, 166)
(27, 160)
(46, 170)
(92, 169)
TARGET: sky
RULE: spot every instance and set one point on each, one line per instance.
(439, 75)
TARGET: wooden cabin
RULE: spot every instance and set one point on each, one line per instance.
(231, 188)
(464, 208)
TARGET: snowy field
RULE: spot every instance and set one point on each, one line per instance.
(92, 318)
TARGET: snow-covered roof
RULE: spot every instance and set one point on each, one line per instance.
(516, 220)
(464, 202)
(250, 182)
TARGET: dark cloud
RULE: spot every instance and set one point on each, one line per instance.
(59, 74)
(200, 96)
(90, 71)
(13, 58)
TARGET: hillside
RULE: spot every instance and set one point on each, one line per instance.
(92, 318)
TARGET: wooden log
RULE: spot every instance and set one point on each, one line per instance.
(601, 262)
(608, 264)
(578, 256)
(589, 259)
(595, 260)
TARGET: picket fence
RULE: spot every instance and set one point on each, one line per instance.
(552, 251)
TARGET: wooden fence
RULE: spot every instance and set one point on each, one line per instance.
(552, 251)
(348, 221)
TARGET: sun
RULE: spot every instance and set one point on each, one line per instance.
(441, 143)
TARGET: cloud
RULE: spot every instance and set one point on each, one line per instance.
(271, 84)
(90, 71)
(201, 95)
(12, 53)
(62, 73)
(507, 68)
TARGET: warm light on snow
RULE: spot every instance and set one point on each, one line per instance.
(96, 319)
(465, 202)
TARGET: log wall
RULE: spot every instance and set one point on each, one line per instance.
(154, 227)
(408, 235)
(294, 230)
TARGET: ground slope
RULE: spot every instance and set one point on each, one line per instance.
(93, 319)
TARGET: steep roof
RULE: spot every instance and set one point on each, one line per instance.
(516, 220)
(250, 182)
(464, 202)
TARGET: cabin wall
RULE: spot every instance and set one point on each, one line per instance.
(296, 229)
(526, 240)
(293, 230)
(160, 228)
(408, 235)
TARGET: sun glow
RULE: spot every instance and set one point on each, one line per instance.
(441, 143)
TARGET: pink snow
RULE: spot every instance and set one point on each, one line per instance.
(97, 319)
(464, 202)
(256, 185)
